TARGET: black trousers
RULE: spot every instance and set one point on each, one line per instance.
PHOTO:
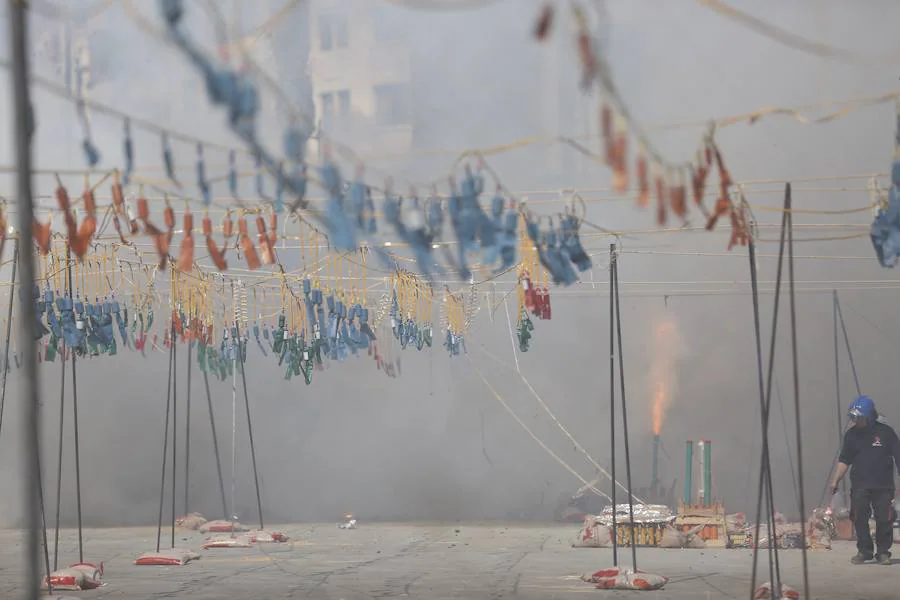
(865, 502)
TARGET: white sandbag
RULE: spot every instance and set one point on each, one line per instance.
(616, 578)
(593, 534)
(764, 592)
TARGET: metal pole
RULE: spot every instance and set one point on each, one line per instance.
(23, 126)
(840, 314)
(763, 480)
(212, 424)
(615, 267)
(174, 339)
(9, 316)
(233, 436)
(249, 425)
(837, 381)
(59, 458)
(187, 441)
(612, 398)
(797, 420)
(75, 424)
(162, 482)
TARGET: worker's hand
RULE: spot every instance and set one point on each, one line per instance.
(833, 487)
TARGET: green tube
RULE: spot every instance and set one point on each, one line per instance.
(688, 466)
(707, 475)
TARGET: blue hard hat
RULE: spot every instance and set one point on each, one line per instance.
(862, 407)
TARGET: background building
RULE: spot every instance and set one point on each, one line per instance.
(361, 72)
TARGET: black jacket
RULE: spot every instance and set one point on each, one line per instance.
(873, 452)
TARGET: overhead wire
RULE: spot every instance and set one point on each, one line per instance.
(530, 432)
(787, 38)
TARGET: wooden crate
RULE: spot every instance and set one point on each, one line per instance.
(714, 529)
(645, 534)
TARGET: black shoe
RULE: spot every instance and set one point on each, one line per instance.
(884, 558)
(861, 558)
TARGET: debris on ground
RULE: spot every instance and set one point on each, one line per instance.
(171, 557)
(819, 530)
(593, 534)
(349, 522)
(616, 578)
(764, 592)
(736, 522)
(77, 577)
(192, 521)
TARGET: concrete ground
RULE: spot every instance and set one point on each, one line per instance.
(471, 561)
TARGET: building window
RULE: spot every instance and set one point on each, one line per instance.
(343, 104)
(327, 115)
(392, 105)
(333, 32)
(387, 25)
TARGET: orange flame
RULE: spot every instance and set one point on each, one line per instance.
(663, 373)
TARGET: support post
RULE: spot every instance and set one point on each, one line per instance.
(75, 421)
(615, 267)
(9, 316)
(612, 399)
(23, 128)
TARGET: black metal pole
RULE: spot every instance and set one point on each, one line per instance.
(837, 381)
(59, 458)
(174, 384)
(23, 126)
(187, 441)
(612, 399)
(9, 316)
(44, 526)
(847, 344)
(249, 424)
(75, 427)
(765, 463)
(763, 480)
(162, 483)
(615, 268)
(215, 437)
(797, 421)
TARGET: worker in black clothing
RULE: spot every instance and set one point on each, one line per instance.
(872, 449)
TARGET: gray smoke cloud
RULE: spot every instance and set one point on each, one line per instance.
(435, 443)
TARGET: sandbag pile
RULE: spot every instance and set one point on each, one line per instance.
(593, 534)
(192, 521)
(616, 578)
(764, 592)
(77, 577)
(674, 538)
(171, 557)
